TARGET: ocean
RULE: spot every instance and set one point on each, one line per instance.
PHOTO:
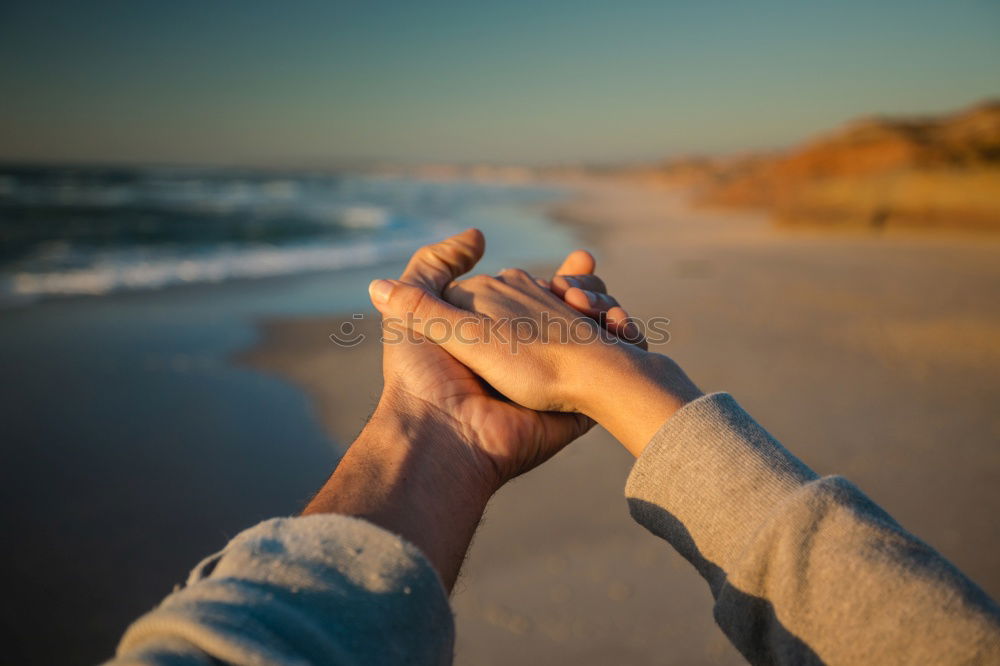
(92, 231)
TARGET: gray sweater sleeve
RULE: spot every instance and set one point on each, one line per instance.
(803, 569)
(322, 589)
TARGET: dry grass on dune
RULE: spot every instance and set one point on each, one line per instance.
(913, 198)
(933, 172)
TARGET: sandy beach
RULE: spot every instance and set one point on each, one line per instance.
(196, 197)
(874, 356)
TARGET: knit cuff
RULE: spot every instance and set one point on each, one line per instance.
(313, 589)
(708, 479)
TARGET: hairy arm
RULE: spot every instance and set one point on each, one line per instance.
(412, 472)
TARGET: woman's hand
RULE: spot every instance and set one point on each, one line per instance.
(576, 284)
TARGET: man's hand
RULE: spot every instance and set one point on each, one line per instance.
(440, 441)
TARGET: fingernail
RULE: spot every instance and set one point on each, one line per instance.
(380, 290)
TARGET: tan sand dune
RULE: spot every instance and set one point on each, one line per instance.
(928, 172)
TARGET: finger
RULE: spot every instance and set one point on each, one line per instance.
(541, 282)
(562, 427)
(517, 277)
(434, 266)
(561, 283)
(617, 321)
(605, 309)
(577, 262)
(589, 303)
(431, 317)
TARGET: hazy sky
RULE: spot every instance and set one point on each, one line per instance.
(323, 82)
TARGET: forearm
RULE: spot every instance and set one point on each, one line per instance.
(410, 473)
(803, 569)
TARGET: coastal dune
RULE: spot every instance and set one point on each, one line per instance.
(929, 172)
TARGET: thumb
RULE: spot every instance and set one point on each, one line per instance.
(434, 266)
(424, 313)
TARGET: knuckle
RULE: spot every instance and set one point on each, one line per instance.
(418, 302)
(458, 248)
(433, 255)
(515, 274)
(427, 252)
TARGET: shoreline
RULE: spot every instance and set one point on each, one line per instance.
(342, 384)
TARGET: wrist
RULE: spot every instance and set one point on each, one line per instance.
(409, 472)
(404, 445)
(430, 441)
(637, 392)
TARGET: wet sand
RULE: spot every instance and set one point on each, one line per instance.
(872, 356)
(131, 449)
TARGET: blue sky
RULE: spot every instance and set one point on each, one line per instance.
(317, 83)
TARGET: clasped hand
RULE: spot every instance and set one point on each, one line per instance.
(469, 402)
(553, 348)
